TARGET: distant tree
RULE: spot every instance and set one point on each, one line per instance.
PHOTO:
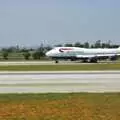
(115, 46)
(36, 55)
(41, 51)
(68, 45)
(86, 45)
(108, 44)
(26, 55)
(92, 46)
(11, 49)
(78, 44)
(103, 45)
(47, 48)
(17, 48)
(59, 45)
(24, 50)
(5, 55)
(98, 44)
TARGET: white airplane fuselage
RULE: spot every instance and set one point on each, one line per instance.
(75, 53)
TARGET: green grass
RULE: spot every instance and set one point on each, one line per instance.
(60, 106)
(92, 97)
(58, 67)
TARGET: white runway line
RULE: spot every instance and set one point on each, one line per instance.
(7, 63)
(69, 81)
(25, 63)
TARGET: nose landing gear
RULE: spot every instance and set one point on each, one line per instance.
(56, 61)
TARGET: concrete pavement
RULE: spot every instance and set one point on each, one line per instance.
(57, 81)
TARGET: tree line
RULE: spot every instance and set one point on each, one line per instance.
(38, 53)
(35, 54)
(97, 44)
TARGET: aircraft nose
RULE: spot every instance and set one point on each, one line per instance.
(47, 54)
(50, 53)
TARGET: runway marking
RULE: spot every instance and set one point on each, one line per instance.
(47, 82)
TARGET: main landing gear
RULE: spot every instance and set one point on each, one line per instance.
(56, 61)
(93, 60)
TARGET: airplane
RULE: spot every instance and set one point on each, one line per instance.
(85, 54)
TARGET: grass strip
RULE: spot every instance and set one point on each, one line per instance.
(108, 66)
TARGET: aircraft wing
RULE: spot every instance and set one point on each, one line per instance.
(85, 56)
(96, 55)
(107, 55)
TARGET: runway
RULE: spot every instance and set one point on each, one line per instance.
(7, 63)
(59, 82)
(3, 63)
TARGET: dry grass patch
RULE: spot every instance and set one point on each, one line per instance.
(60, 107)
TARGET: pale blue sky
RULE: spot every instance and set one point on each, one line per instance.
(30, 22)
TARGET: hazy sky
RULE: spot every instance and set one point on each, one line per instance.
(30, 22)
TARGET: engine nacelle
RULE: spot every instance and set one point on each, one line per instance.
(113, 58)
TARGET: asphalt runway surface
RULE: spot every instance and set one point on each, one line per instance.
(59, 82)
(7, 63)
